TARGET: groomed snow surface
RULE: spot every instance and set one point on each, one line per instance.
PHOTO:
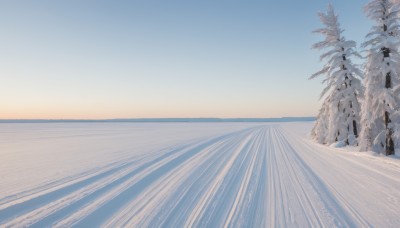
(189, 175)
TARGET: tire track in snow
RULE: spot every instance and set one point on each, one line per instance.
(248, 186)
(59, 199)
(311, 194)
(192, 191)
(76, 217)
(144, 209)
(23, 209)
(207, 200)
(355, 182)
(259, 177)
(97, 212)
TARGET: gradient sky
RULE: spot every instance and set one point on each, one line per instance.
(134, 59)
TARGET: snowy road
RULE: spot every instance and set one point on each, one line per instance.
(266, 175)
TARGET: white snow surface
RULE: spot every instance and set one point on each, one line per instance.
(189, 175)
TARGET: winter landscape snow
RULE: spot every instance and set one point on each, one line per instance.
(189, 175)
(199, 114)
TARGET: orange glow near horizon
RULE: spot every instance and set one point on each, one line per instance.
(109, 111)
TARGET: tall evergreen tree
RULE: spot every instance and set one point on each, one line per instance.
(380, 115)
(343, 86)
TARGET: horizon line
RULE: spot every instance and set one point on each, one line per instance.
(178, 119)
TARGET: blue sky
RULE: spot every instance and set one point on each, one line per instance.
(134, 59)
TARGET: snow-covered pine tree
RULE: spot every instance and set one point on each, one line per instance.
(380, 113)
(320, 130)
(343, 85)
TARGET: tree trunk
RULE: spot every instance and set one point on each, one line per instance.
(389, 133)
(389, 142)
(355, 128)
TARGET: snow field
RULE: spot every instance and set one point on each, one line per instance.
(221, 175)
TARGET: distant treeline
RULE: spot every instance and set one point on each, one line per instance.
(161, 120)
